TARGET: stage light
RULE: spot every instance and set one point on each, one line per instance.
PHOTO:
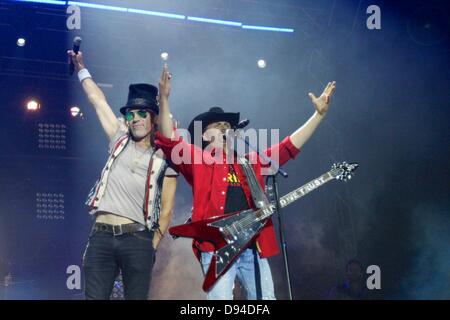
(52, 136)
(224, 22)
(158, 14)
(261, 63)
(262, 28)
(50, 206)
(164, 56)
(161, 14)
(21, 42)
(75, 111)
(58, 2)
(33, 105)
(96, 6)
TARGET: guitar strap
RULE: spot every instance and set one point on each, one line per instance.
(258, 195)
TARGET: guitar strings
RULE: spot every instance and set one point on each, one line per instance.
(249, 220)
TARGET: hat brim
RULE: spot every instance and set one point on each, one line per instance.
(210, 117)
(146, 106)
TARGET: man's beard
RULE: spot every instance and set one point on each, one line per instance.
(140, 137)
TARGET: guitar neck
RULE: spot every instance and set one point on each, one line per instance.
(305, 189)
(296, 194)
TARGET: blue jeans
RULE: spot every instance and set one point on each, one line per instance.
(252, 272)
(106, 254)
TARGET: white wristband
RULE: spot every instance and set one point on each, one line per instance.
(83, 74)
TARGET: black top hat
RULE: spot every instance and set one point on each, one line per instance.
(214, 114)
(141, 96)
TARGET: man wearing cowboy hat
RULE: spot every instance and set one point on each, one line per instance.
(132, 201)
(219, 187)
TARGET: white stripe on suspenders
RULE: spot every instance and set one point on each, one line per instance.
(151, 209)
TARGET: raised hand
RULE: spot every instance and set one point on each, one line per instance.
(322, 103)
(164, 83)
(77, 59)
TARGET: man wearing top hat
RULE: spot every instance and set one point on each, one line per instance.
(133, 199)
(220, 186)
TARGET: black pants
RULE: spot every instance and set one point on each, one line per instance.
(106, 254)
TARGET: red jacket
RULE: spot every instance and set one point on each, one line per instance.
(209, 184)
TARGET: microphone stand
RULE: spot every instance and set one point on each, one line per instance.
(282, 172)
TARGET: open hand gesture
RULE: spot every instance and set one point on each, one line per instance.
(164, 83)
(322, 103)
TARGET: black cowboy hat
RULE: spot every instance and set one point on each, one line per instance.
(141, 96)
(214, 114)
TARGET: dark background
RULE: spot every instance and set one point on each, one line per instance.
(390, 113)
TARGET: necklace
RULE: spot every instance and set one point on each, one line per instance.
(137, 157)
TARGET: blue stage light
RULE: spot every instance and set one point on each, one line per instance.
(262, 28)
(162, 14)
(45, 1)
(97, 6)
(224, 22)
(159, 14)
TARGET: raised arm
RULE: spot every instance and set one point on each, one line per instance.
(321, 104)
(176, 149)
(165, 123)
(108, 119)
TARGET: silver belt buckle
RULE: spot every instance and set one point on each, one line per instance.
(118, 233)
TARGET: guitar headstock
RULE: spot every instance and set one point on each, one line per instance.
(343, 171)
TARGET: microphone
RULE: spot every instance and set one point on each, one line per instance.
(76, 48)
(233, 131)
(242, 124)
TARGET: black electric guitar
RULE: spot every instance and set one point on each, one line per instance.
(232, 233)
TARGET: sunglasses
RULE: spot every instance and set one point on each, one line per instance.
(129, 115)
